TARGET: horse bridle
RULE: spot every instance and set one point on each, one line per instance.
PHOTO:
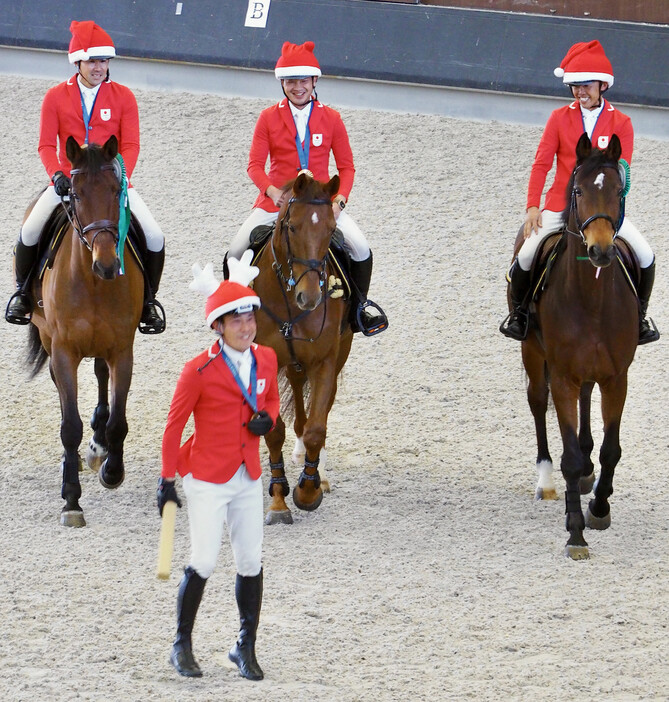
(573, 208)
(100, 225)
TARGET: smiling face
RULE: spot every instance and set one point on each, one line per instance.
(299, 90)
(238, 330)
(589, 94)
(93, 72)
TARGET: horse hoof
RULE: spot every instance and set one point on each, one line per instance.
(325, 485)
(279, 517)
(599, 523)
(545, 494)
(72, 518)
(307, 506)
(577, 553)
(108, 481)
(586, 482)
(95, 456)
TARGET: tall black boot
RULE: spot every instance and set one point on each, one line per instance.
(19, 307)
(366, 316)
(153, 314)
(248, 591)
(191, 588)
(516, 324)
(647, 330)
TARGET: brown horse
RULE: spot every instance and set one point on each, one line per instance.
(584, 331)
(87, 309)
(304, 318)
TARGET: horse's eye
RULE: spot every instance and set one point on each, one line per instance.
(578, 192)
(291, 229)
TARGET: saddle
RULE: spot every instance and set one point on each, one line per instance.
(339, 256)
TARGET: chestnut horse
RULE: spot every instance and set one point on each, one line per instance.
(585, 331)
(304, 318)
(86, 308)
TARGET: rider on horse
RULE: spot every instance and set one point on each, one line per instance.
(91, 108)
(298, 134)
(588, 73)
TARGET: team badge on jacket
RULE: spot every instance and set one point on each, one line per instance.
(260, 386)
(602, 142)
(316, 139)
(105, 114)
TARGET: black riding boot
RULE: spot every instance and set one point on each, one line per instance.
(647, 330)
(248, 591)
(153, 314)
(366, 316)
(19, 307)
(516, 324)
(191, 588)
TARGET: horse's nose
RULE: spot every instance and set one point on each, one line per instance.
(108, 272)
(304, 302)
(601, 257)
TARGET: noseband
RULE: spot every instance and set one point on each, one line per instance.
(573, 208)
(99, 226)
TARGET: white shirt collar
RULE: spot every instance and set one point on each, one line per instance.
(237, 357)
(301, 118)
(88, 94)
(590, 118)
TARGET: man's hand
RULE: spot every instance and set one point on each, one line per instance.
(61, 183)
(167, 492)
(276, 195)
(260, 423)
(532, 221)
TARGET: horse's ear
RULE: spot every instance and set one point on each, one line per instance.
(614, 149)
(110, 149)
(583, 148)
(72, 149)
(332, 188)
(299, 184)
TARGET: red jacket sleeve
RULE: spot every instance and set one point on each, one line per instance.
(129, 136)
(543, 160)
(341, 149)
(48, 133)
(259, 154)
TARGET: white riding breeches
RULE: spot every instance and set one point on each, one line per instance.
(237, 503)
(553, 222)
(354, 240)
(48, 201)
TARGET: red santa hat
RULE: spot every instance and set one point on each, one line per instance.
(297, 61)
(89, 41)
(585, 62)
(232, 295)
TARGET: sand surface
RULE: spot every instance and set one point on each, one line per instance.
(429, 573)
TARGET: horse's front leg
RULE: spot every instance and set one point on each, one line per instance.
(565, 397)
(308, 493)
(112, 471)
(97, 446)
(278, 512)
(537, 398)
(63, 369)
(598, 514)
(585, 438)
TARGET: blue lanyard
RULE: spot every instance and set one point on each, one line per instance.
(303, 151)
(252, 399)
(87, 115)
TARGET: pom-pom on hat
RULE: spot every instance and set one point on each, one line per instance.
(297, 61)
(232, 295)
(89, 41)
(585, 62)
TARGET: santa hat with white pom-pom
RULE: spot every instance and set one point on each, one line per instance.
(585, 62)
(232, 295)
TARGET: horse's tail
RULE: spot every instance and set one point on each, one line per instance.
(37, 354)
(288, 399)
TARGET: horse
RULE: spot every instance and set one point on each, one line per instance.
(584, 330)
(87, 307)
(304, 318)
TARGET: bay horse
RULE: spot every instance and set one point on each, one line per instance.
(304, 318)
(585, 331)
(85, 308)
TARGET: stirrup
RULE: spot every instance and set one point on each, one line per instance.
(522, 320)
(153, 318)
(374, 323)
(648, 332)
(12, 316)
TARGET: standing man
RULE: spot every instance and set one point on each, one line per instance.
(588, 73)
(90, 108)
(231, 391)
(298, 134)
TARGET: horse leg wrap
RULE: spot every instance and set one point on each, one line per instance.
(572, 508)
(280, 479)
(304, 476)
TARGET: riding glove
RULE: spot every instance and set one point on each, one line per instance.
(260, 423)
(166, 492)
(61, 183)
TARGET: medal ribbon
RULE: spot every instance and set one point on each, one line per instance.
(251, 398)
(85, 113)
(303, 151)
